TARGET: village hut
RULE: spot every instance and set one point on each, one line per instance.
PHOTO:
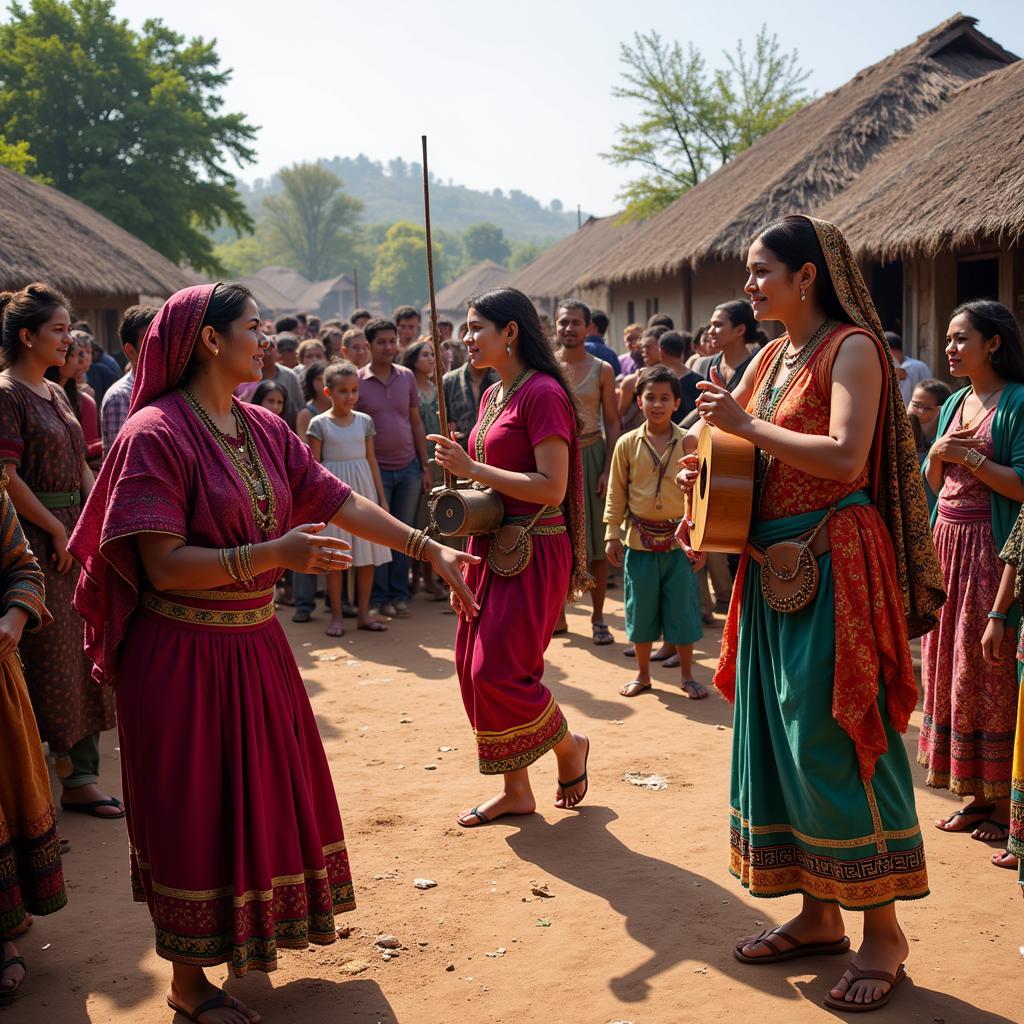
(453, 297)
(556, 273)
(689, 257)
(46, 235)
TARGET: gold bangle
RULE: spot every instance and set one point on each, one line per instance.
(974, 460)
(245, 563)
(225, 562)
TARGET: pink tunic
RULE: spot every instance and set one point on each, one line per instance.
(499, 655)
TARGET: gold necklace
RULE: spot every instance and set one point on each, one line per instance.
(250, 469)
(982, 412)
(493, 410)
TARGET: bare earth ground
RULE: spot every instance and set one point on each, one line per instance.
(643, 915)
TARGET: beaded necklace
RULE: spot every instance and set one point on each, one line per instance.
(769, 398)
(494, 409)
(246, 461)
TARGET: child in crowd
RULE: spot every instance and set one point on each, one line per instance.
(315, 395)
(270, 395)
(661, 586)
(342, 439)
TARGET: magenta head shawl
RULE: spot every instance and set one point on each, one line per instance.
(108, 587)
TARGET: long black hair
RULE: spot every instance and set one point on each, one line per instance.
(314, 370)
(225, 306)
(27, 309)
(412, 353)
(503, 306)
(795, 242)
(992, 318)
(741, 314)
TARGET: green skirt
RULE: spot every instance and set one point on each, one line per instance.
(802, 818)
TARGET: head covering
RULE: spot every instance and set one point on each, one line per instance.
(169, 344)
(108, 587)
(897, 490)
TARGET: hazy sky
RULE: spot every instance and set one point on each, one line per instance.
(511, 94)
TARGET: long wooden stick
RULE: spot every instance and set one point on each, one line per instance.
(442, 411)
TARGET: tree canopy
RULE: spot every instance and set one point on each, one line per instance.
(130, 123)
(485, 242)
(313, 220)
(400, 270)
(692, 120)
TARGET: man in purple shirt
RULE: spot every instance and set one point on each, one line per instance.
(388, 394)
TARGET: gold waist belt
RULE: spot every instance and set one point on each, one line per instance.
(193, 615)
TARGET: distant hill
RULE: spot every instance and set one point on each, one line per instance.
(394, 192)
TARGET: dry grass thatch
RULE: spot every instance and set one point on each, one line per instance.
(48, 236)
(316, 294)
(271, 300)
(957, 180)
(810, 159)
(554, 273)
(487, 274)
(285, 281)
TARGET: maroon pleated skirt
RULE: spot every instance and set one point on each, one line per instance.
(236, 839)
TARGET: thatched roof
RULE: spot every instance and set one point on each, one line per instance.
(314, 296)
(271, 301)
(811, 158)
(957, 180)
(285, 280)
(485, 275)
(555, 272)
(46, 235)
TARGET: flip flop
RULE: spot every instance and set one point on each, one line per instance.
(965, 812)
(575, 782)
(694, 691)
(859, 975)
(335, 631)
(999, 860)
(1003, 826)
(797, 950)
(92, 806)
(221, 1001)
(634, 686)
(7, 995)
(376, 626)
(482, 818)
(601, 634)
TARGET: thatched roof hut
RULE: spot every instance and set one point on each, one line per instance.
(555, 273)
(46, 235)
(487, 274)
(954, 183)
(809, 160)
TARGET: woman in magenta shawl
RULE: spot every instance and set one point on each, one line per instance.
(236, 842)
(526, 448)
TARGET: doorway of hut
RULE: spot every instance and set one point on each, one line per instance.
(887, 291)
(977, 277)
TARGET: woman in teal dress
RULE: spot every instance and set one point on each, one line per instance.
(822, 793)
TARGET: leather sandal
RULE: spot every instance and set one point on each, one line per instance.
(797, 950)
(7, 995)
(856, 974)
(980, 811)
(481, 818)
(564, 786)
(93, 806)
(221, 1001)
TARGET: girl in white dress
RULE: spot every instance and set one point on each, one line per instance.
(342, 439)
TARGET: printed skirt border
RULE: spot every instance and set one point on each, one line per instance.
(520, 746)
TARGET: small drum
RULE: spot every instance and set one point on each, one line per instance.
(723, 495)
(465, 511)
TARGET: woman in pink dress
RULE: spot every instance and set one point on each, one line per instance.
(235, 838)
(525, 447)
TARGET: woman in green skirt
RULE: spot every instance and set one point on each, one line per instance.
(815, 650)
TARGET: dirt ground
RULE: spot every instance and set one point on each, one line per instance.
(643, 914)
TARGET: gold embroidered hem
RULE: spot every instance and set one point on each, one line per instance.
(518, 747)
(983, 788)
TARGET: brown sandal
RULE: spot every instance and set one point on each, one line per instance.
(856, 974)
(798, 949)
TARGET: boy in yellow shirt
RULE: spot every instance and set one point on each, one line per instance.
(661, 586)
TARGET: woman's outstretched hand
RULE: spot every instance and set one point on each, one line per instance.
(448, 563)
(452, 457)
(687, 475)
(718, 408)
(304, 550)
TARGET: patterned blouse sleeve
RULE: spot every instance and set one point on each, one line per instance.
(24, 583)
(317, 495)
(12, 425)
(1013, 549)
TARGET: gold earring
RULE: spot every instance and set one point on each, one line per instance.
(803, 295)
(508, 348)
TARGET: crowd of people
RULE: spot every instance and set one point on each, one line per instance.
(232, 465)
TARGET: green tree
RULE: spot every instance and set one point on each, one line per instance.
(16, 156)
(485, 242)
(244, 256)
(523, 253)
(400, 271)
(692, 120)
(130, 123)
(313, 220)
